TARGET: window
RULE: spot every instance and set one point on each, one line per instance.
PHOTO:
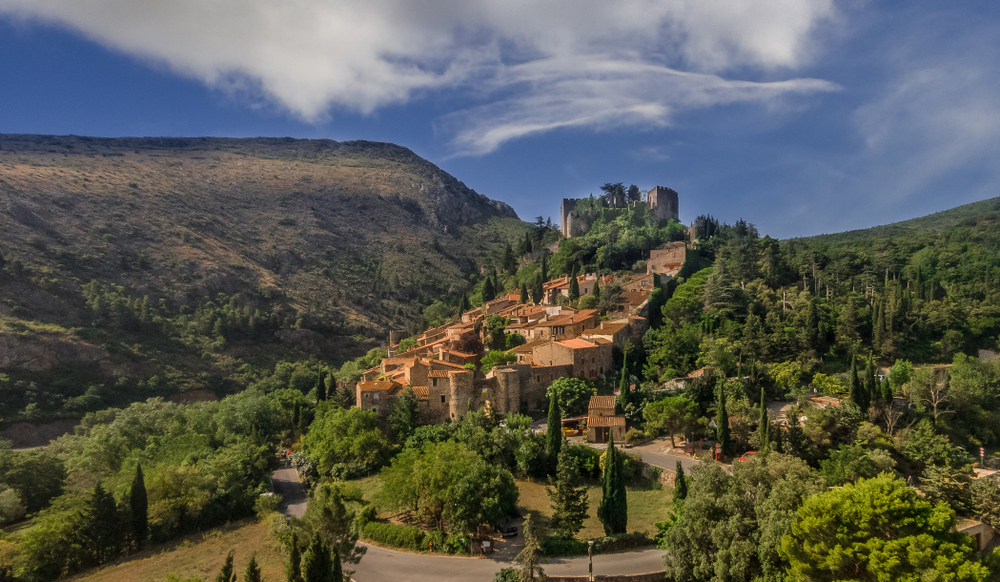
(375, 398)
(442, 398)
(434, 382)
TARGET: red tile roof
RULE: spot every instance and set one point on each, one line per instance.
(602, 402)
(602, 421)
(577, 344)
(377, 386)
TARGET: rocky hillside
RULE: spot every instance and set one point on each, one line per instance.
(248, 251)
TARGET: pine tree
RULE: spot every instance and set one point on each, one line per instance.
(554, 436)
(316, 564)
(597, 288)
(252, 573)
(139, 509)
(228, 573)
(568, 497)
(764, 427)
(530, 557)
(722, 422)
(293, 570)
(524, 294)
(680, 484)
(613, 511)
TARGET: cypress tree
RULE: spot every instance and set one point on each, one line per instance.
(524, 294)
(527, 242)
(101, 530)
(568, 497)
(488, 291)
(228, 573)
(856, 389)
(337, 574)
(545, 267)
(553, 436)
(574, 287)
(613, 511)
(252, 573)
(293, 571)
(680, 484)
(139, 509)
(320, 386)
(623, 392)
(764, 428)
(463, 304)
(316, 564)
(871, 390)
(597, 288)
(722, 422)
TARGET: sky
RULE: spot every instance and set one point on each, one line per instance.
(800, 116)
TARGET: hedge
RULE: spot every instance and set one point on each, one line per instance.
(563, 546)
(394, 536)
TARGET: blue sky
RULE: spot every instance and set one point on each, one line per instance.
(802, 116)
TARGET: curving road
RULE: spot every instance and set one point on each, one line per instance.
(380, 564)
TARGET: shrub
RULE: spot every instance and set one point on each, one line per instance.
(507, 575)
(565, 546)
(365, 515)
(633, 436)
(587, 460)
(394, 536)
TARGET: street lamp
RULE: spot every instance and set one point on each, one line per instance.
(590, 554)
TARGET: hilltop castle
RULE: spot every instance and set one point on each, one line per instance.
(661, 201)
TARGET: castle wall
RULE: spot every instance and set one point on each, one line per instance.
(461, 393)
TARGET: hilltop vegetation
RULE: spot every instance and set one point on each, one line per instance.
(139, 267)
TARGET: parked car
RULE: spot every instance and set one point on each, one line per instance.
(747, 456)
(507, 530)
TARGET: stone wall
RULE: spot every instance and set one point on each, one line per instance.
(648, 577)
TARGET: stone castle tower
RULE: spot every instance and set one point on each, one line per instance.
(661, 201)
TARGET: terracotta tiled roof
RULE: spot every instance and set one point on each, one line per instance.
(602, 421)
(610, 328)
(421, 392)
(603, 402)
(437, 374)
(377, 386)
(530, 346)
(577, 344)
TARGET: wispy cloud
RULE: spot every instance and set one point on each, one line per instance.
(601, 93)
(534, 66)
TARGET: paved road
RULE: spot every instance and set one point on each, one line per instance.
(380, 564)
(286, 483)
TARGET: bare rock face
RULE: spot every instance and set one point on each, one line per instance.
(42, 352)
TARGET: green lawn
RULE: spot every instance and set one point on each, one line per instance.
(646, 506)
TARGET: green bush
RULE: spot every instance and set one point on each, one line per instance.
(564, 546)
(634, 435)
(394, 536)
(587, 460)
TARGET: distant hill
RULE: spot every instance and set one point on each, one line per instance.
(930, 223)
(334, 243)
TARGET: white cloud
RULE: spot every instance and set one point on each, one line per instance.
(313, 55)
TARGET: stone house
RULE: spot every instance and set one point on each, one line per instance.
(667, 262)
(589, 359)
(602, 422)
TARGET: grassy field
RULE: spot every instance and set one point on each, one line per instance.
(646, 506)
(197, 556)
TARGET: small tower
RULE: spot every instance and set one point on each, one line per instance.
(663, 203)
